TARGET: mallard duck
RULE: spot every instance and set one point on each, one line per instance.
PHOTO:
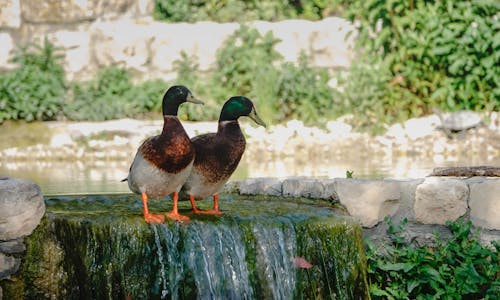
(218, 154)
(163, 162)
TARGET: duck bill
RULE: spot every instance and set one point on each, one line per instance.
(194, 100)
(253, 115)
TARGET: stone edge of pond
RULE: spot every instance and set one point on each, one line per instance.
(426, 203)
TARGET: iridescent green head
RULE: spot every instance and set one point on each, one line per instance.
(175, 96)
(239, 106)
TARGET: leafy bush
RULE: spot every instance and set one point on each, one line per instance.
(247, 64)
(460, 268)
(242, 10)
(112, 95)
(189, 75)
(303, 93)
(427, 54)
(36, 89)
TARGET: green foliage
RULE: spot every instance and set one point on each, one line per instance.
(460, 268)
(245, 55)
(247, 64)
(349, 174)
(189, 75)
(303, 93)
(422, 55)
(112, 95)
(35, 90)
(243, 10)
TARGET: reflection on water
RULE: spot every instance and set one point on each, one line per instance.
(75, 177)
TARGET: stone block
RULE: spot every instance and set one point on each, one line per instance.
(484, 204)
(205, 39)
(303, 187)
(21, 207)
(231, 187)
(438, 200)
(124, 43)
(369, 201)
(10, 14)
(408, 189)
(5, 50)
(329, 192)
(63, 11)
(261, 186)
(327, 41)
(76, 47)
(12, 246)
(8, 265)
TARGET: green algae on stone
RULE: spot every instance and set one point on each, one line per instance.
(100, 247)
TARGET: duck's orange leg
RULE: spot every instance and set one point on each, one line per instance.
(148, 217)
(214, 211)
(174, 214)
(193, 205)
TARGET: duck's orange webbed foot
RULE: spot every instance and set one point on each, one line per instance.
(154, 218)
(149, 217)
(174, 214)
(214, 211)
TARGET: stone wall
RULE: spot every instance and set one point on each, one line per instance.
(426, 203)
(98, 33)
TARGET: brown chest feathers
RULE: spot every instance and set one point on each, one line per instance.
(218, 154)
(171, 151)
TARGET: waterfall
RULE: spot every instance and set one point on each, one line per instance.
(99, 247)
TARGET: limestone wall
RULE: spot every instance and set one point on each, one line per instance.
(426, 203)
(99, 33)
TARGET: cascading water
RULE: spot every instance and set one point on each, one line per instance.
(98, 247)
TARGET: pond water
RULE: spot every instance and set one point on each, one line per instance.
(98, 177)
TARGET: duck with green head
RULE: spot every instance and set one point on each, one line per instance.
(218, 154)
(163, 162)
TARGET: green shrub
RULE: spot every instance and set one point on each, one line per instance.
(245, 55)
(247, 64)
(459, 268)
(188, 74)
(427, 54)
(243, 10)
(303, 93)
(112, 95)
(36, 89)
(102, 98)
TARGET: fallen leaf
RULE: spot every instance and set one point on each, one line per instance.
(301, 263)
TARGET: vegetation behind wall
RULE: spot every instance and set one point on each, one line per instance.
(414, 56)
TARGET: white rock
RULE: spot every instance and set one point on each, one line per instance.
(61, 139)
(329, 192)
(5, 50)
(260, 186)
(124, 43)
(369, 201)
(438, 200)
(76, 46)
(21, 207)
(338, 129)
(303, 187)
(8, 266)
(421, 127)
(10, 14)
(485, 204)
